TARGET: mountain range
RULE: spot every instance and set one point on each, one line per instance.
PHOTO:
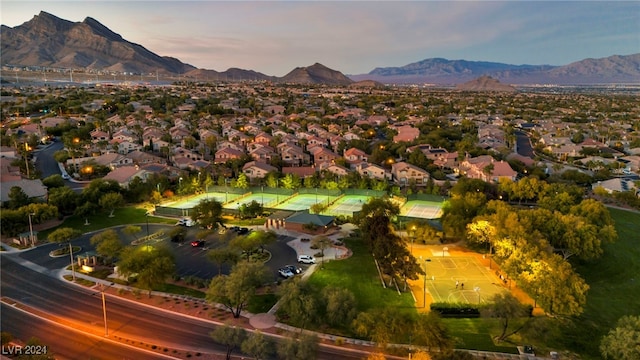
(49, 41)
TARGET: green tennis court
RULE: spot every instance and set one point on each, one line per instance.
(475, 283)
(267, 200)
(347, 205)
(304, 201)
(191, 201)
(422, 209)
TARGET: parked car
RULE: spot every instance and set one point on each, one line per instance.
(243, 231)
(185, 222)
(197, 243)
(294, 269)
(285, 273)
(306, 259)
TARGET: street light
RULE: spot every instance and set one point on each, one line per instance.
(147, 216)
(31, 229)
(413, 234)
(104, 307)
(424, 293)
(477, 290)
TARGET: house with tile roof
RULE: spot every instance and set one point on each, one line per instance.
(355, 157)
(34, 189)
(373, 171)
(125, 174)
(323, 155)
(404, 172)
(300, 171)
(406, 133)
(486, 169)
(226, 154)
(257, 170)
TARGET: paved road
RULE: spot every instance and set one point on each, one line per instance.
(524, 144)
(64, 341)
(48, 166)
(82, 308)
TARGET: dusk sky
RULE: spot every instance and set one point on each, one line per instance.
(354, 37)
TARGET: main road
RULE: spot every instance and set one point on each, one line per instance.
(38, 288)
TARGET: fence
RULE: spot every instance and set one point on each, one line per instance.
(172, 211)
(426, 197)
(318, 191)
(269, 190)
(365, 192)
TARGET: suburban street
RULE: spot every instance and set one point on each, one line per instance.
(47, 166)
(81, 308)
(65, 341)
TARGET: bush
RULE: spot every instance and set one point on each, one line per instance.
(457, 310)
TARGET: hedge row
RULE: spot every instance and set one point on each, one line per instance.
(460, 310)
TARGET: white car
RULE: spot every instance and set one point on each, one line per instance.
(66, 176)
(285, 273)
(306, 259)
(185, 222)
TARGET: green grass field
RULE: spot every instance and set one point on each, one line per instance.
(363, 282)
(122, 216)
(614, 282)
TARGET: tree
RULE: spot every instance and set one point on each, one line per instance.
(250, 210)
(64, 198)
(505, 307)
(150, 265)
(257, 346)
(233, 291)
(298, 302)
(430, 331)
(341, 306)
(294, 349)
(107, 244)
(132, 230)
(208, 213)
(253, 241)
(221, 256)
(321, 242)
(621, 343)
(229, 336)
(17, 198)
(53, 181)
(111, 201)
(291, 182)
(242, 182)
(64, 235)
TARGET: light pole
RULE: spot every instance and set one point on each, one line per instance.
(477, 290)
(31, 229)
(104, 308)
(73, 266)
(424, 293)
(413, 234)
(147, 216)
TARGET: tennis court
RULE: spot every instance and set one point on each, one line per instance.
(422, 209)
(266, 200)
(191, 201)
(304, 201)
(347, 205)
(457, 279)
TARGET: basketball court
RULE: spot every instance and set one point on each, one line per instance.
(454, 278)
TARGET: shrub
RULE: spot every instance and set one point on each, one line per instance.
(458, 310)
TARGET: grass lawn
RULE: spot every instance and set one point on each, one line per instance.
(180, 290)
(122, 216)
(474, 334)
(614, 282)
(359, 275)
(261, 303)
